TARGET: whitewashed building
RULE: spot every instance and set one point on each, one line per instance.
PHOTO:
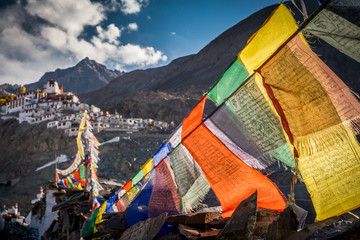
(64, 125)
(70, 117)
(99, 126)
(53, 88)
(23, 99)
(27, 119)
(52, 124)
(73, 131)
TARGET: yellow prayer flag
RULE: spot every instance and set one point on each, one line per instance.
(78, 139)
(316, 108)
(99, 216)
(147, 166)
(275, 31)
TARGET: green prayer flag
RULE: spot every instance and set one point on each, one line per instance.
(82, 171)
(234, 76)
(284, 154)
(90, 224)
(69, 184)
(137, 177)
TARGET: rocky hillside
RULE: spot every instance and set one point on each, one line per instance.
(86, 76)
(182, 82)
(26, 147)
(10, 88)
(170, 92)
(4, 93)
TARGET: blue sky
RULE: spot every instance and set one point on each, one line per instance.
(37, 36)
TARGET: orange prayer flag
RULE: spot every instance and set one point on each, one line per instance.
(231, 179)
(194, 118)
(120, 205)
(127, 185)
(76, 175)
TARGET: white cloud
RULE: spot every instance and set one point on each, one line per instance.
(133, 27)
(111, 34)
(173, 33)
(130, 54)
(69, 15)
(57, 38)
(131, 6)
(57, 42)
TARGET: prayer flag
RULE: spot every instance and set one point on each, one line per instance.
(147, 166)
(231, 179)
(164, 149)
(337, 31)
(319, 114)
(95, 218)
(127, 185)
(233, 77)
(274, 32)
(175, 137)
(164, 197)
(194, 119)
(190, 180)
(138, 176)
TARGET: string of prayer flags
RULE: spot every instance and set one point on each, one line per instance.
(294, 110)
(82, 171)
(75, 165)
(315, 103)
(339, 25)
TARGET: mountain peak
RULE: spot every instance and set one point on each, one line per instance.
(86, 76)
(87, 61)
